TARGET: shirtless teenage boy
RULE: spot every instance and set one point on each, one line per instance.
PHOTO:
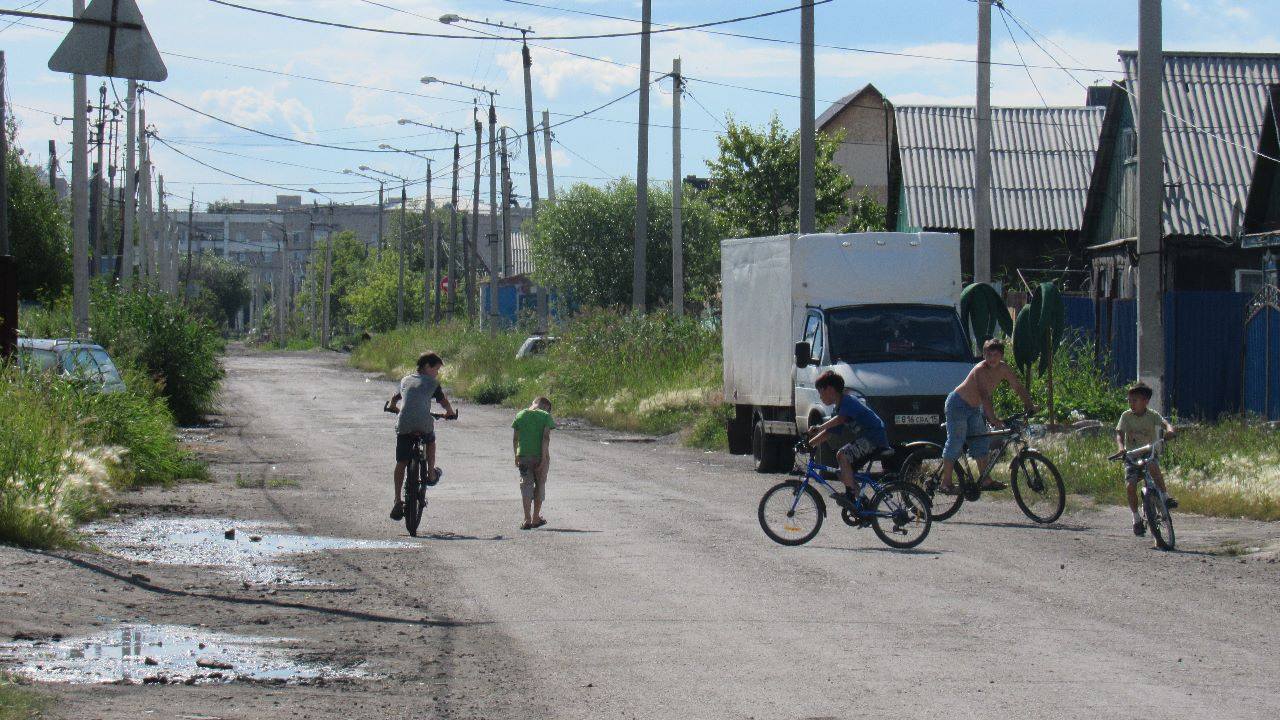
(969, 408)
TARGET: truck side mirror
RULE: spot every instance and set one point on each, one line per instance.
(804, 355)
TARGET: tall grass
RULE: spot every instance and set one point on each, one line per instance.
(655, 373)
(1081, 388)
(19, 703)
(64, 449)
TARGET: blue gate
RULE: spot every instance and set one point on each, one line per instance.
(1261, 386)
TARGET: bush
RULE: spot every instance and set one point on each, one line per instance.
(492, 391)
(1081, 388)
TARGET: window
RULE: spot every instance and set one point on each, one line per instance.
(890, 333)
(109, 373)
(80, 364)
(37, 359)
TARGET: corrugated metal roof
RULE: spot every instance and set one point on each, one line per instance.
(1041, 163)
(1207, 171)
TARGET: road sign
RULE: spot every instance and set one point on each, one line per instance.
(103, 50)
(444, 284)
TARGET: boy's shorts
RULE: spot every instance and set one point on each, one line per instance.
(533, 485)
(1133, 473)
(965, 424)
(404, 445)
(857, 451)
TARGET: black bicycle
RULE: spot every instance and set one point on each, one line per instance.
(1037, 485)
(416, 481)
(1155, 502)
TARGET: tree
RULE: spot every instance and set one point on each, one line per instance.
(349, 259)
(583, 245)
(39, 234)
(222, 288)
(866, 214)
(755, 186)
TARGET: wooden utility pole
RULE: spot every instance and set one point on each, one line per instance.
(641, 233)
(808, 191)
(131, 185)
(677, 195)
(982, 151)
(1151, 360)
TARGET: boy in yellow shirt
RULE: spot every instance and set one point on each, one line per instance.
(1138, 426)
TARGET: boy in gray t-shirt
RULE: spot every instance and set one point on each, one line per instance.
(417, 391)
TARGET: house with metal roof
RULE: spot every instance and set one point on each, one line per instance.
(1214, 110)
(1042, 161)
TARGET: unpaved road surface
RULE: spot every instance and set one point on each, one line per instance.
(652, 593)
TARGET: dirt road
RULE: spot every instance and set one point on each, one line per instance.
(652, 593)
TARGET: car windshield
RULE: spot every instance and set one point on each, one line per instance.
(109, 372)
(37, 359)
(882, 333)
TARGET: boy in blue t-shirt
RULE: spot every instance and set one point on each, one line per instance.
(853, 420)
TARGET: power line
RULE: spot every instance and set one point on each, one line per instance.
(599, 36)
(162, 141)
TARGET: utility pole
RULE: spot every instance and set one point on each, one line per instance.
(4, 188)
(328, 279)
(146, 246)
(377, 253)
(494, 247)
(131, 185)
(427, 252)
(546, 149)
(313, 276)
(79, 197)
(677, 195)
(506, 208)
(453, 229)
(282, 302)
(162, 240)
(473, 253)
(982, 151)
(435, 266)
(403, 246)
(641, 247)
(53, 166)
(808, 191)
(95, 200)
(1151, 361)
(191, 232)
(531, 151)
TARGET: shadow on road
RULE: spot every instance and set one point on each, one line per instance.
(900, 551)
(567, 530)
(1024, 525)
(149, 586)
(446, 535)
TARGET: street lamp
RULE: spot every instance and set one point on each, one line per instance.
(528, 122)
(453, 205)
(404, 183)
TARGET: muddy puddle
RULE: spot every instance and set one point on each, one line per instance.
(251, 552)
(165, 654)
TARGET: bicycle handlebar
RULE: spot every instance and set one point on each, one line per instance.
(386, 407)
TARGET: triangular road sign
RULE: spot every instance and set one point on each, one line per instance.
(110, 51)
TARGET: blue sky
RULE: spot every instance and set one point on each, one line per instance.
(1083, 33)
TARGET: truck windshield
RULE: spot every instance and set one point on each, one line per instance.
(884, 333)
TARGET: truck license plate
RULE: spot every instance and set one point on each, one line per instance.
(915, 420)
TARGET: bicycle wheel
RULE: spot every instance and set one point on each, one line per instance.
(789, 516)
(923, 469)
(1158, 519)
(413, 497)
(1037, 487)
(902, 518)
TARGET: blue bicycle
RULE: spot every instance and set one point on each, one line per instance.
(791, 512)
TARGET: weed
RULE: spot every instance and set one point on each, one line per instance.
(260, 483)
(20, 703)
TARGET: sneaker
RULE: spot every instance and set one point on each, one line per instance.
(1139, 528)
(397, 511)
(846, 501)
(1169, 502)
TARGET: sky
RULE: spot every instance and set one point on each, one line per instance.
(377, 78)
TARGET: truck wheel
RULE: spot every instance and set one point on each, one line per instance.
(771, 454)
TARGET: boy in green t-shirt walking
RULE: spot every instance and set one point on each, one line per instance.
(531, 443)
(1139, 426)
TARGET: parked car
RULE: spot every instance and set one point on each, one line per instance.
(72, 359)
(535, 345)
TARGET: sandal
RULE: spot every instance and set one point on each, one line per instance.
(526, 526)
(397, 511)
(538, 523)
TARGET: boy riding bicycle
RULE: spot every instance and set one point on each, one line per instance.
(856, 424)
(1139, 426)
(417, 391)
(969, 408)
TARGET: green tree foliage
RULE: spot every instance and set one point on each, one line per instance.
(754, 180)
(222, 289)
(866, 214)
(583, 245)
(39, 234)
(370, 304)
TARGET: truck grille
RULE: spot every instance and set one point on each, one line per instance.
(890, 408)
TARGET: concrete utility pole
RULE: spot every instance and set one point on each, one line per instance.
(982, 151)
(282, 285)
(382, 186)
(328, 280)
(146, 251)
(404, 200)
(531, 151)
(506, 208)
(79, 197)
(96, 214)
(191, 232)
(677, 195)
(131, 184)
(4, 175)
(808, 191)
(1151, 362)
(312, 278)
(427, 252)
(162, 240)
(640, 249)
(494, 247)
(435, 266)
(453, 229)
(53, 166)
(546, 149)
(473, 252)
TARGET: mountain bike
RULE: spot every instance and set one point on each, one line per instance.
(1037, 485)
(791, 512)
(416, 481)
(1155, 502)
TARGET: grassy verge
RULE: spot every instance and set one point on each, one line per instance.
(19, 703)
(64, 450)
(654, 374)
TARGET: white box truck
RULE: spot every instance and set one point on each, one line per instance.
(880, 309)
